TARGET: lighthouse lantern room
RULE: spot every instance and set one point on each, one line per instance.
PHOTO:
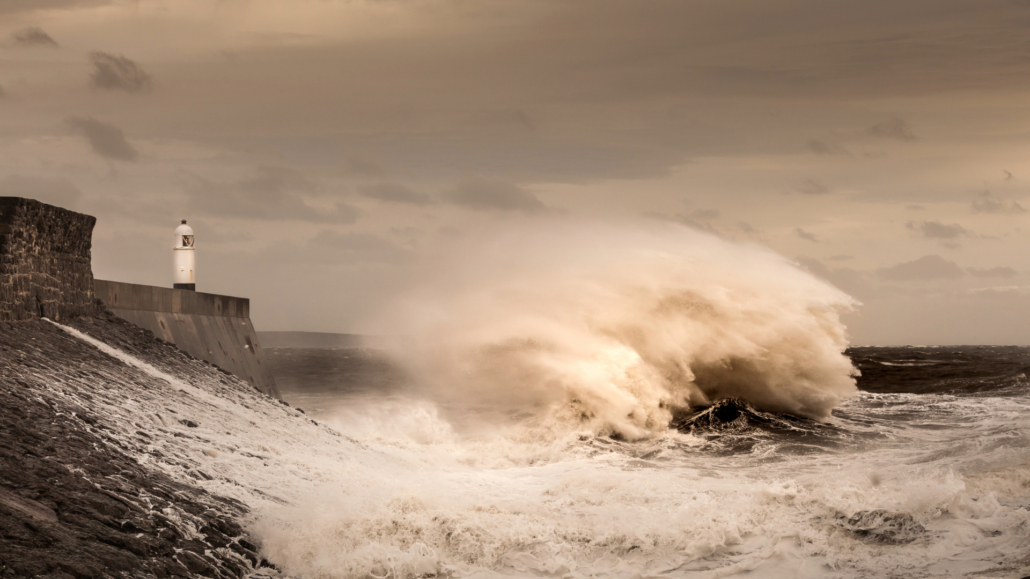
(184, 262)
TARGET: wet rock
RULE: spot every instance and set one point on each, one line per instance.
(246, 550)
(194, 562)
(228, 527)
(214, 536)
(733, 415)
(880, 526)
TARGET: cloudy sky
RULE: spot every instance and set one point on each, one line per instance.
(325, 145)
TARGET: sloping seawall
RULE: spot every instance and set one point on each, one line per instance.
(211, 327)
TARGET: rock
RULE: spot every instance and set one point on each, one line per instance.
(882, 526)
(26, 506)
(193, 562)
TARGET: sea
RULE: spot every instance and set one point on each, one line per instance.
(606, 400)
(924, 471)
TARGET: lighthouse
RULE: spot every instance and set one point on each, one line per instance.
(185, 264)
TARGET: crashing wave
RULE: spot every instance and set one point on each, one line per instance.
(634, 325)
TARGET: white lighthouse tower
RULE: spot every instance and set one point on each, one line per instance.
(184, 262)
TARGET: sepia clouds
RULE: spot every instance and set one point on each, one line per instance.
(807, 236)
(32, 36)
(820, 147)
(987, 204)
(937, 230)
(104, 139)
(60, 191)
(929, 267)
(395, 193)
(271, 193)
(893, 128)
(115, 72)
(484, 194)
(992, 272)
(361, 133)
(812, 187)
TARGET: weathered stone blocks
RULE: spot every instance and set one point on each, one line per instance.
(44, 261)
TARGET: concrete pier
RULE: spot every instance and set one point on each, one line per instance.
(211, 327)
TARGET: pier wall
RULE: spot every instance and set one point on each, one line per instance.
(211, 327)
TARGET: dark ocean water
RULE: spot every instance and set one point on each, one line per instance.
(954, 369)
(958, 370)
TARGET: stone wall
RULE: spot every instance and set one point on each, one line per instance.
(44, 261)
(211, 327)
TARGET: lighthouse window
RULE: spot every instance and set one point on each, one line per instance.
(187, 241)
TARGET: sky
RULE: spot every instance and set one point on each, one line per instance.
(322, 148)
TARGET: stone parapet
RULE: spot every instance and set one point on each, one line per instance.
(129, 296)
(44, 261)
(211, 327)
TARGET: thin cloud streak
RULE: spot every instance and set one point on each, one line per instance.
(33, 36)
(115, 72)
(807, 236)
(272, 194)
(106, 140)
(937, 230)
(395, 193)
(926, 268)
(893, 128)
(484, 194)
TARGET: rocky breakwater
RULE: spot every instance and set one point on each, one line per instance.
(44, 261)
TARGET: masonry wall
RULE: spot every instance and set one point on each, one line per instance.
(207, 326)
(44, 261)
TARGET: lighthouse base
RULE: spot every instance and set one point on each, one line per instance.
(185, 286)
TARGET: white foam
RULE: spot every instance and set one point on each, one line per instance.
(141, 365)
(477, 507)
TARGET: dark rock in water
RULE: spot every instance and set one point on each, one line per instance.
(880, 526)
(74, 502)
(733, 414)
(735, 426)
(728, 413)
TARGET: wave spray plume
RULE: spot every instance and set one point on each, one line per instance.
(617, 329)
